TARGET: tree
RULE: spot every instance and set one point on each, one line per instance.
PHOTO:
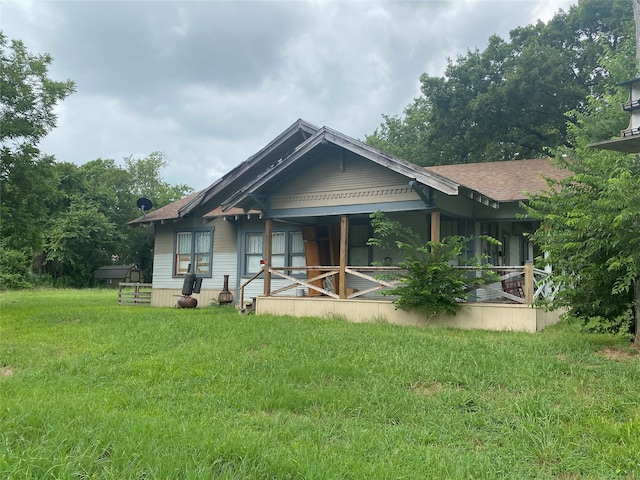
(14, 269)
(591, 221)
(514, 99)
(65, 219)
(87, 227)
(79, 240)
(147, 182)
(87, 219)
(27, 100)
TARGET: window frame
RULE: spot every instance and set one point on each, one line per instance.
(287, 255)
(245, 254)
(193, 253)
(352, 246)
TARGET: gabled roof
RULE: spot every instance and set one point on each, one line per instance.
(327, 135)
(278, 148)
(170, 212)
(505, 181)
(238, 190)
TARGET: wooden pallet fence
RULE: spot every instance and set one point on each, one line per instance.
(134, 294)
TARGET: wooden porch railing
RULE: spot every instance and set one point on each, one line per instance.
(521, 284)
(325, 272)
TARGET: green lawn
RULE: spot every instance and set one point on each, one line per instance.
(91, 390)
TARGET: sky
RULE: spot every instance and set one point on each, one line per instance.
(209, 83)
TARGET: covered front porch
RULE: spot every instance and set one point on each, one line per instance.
(327, 290)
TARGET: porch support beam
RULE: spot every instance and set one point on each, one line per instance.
(344, 245)
(268, 230)
(435, 225)
(261, 201)
(425, 197)
(528, 283)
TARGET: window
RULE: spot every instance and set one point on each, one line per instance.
(296, 253)
(359, 251)
(253, 253)
(193, 248)
(287, 249)
(278, 244)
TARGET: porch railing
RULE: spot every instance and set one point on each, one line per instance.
(520, 284)
(134, 293)
(325, 272)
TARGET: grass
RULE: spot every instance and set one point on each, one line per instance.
(90, 390)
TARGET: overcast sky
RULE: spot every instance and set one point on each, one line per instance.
(209, 83)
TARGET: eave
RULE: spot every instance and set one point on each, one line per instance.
(629, 144)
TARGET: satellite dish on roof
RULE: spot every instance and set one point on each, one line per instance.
(144, 204)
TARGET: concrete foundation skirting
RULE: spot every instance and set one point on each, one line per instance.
(485, 316)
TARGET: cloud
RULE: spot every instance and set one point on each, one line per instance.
(211, 82)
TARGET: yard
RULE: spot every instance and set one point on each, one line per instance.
(89, 389)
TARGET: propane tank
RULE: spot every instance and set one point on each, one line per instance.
(187, 302)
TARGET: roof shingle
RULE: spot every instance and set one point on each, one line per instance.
(165, 213)
(505, 181)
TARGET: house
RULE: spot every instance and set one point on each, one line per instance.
(629, 140)
(290, 224)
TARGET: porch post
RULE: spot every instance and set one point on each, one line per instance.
(435, 225)
(344, 245)
(268, 229)
(528, 283)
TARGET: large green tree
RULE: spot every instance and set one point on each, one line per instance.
(27, 100)
(591, 221)
(79, 240)
(63, 219)
(515, 98)
(87, 227)
(147, 182)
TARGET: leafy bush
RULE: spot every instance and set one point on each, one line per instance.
(14, 270)
(621, 324)
(41, 280)
(431, 282)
